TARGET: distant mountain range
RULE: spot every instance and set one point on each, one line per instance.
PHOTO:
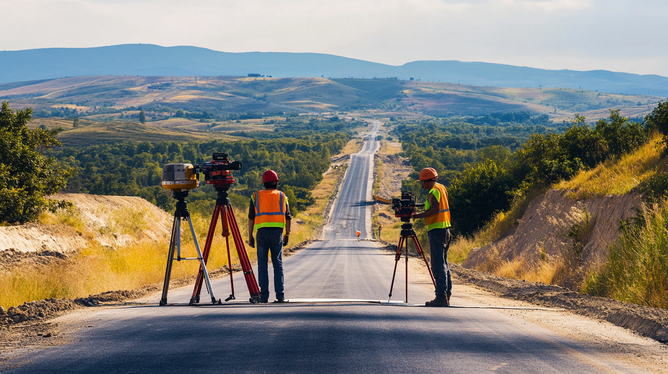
(153, 60)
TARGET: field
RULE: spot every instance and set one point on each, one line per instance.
(208, 102)
(91, 132)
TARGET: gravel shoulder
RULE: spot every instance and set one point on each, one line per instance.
(645, 321)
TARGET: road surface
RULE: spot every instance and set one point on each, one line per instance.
(335, 321)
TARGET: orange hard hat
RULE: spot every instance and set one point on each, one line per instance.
(428, 174)
(269, 176)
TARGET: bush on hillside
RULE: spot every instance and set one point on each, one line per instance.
(478, 193)
(554, 157)
(658, 121)
(26, 175)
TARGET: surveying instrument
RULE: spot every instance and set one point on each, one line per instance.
(404, 209)
(217, 173)
(180, 179)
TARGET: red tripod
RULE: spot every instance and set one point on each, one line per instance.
(406, 233)
(229, 222)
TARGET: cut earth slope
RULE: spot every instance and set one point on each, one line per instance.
(544, 228)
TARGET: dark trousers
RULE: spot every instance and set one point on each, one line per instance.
(439, 243)
(270, 239)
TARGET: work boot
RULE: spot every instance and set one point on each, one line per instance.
(439, 301)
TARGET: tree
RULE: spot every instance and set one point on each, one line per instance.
(142, 116)
(26, 175)
(658, 121)
(75, 122)
(480, 191)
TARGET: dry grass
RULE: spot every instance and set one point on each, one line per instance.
(461, 247)
(353, 146)
(312, 219)
(390, 148)
(97, 268)
(67, 217)
(549, 270)
(618, 177)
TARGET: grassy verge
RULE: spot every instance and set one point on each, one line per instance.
(308, 223)
(619, 176)
(637, 266)
(97, 268)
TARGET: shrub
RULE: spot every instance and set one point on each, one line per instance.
(26, 175)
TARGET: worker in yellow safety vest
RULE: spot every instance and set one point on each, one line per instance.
(269, 214)
(437, 219)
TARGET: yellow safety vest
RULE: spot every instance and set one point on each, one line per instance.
(270, 208)
(442, 219)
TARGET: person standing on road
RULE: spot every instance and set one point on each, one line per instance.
(437, 220)
(269, 214)
(379, 228)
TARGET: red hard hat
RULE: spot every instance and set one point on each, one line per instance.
(428, 174)
(269, 176)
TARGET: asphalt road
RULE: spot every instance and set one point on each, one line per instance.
(334, 322)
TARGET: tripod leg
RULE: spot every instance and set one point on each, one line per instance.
(205, 255)
(406, 271)
(201, 261)
(396, 261)
(226, 234)
(418, 246)
(251, 282)
(170, 259)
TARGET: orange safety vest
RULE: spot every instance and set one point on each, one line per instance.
(441, 220)
(270, 208)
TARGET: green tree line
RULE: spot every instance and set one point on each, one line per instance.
(135, 169)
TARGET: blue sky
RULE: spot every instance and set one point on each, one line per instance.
(615, 35)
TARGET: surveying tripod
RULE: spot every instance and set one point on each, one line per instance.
(182, 213)
(229, 223)
(407, 232)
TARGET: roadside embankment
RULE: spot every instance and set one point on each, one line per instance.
(111, 221)
(556, 228)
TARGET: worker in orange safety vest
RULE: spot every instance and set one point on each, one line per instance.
(437, 219)
(269, 214)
